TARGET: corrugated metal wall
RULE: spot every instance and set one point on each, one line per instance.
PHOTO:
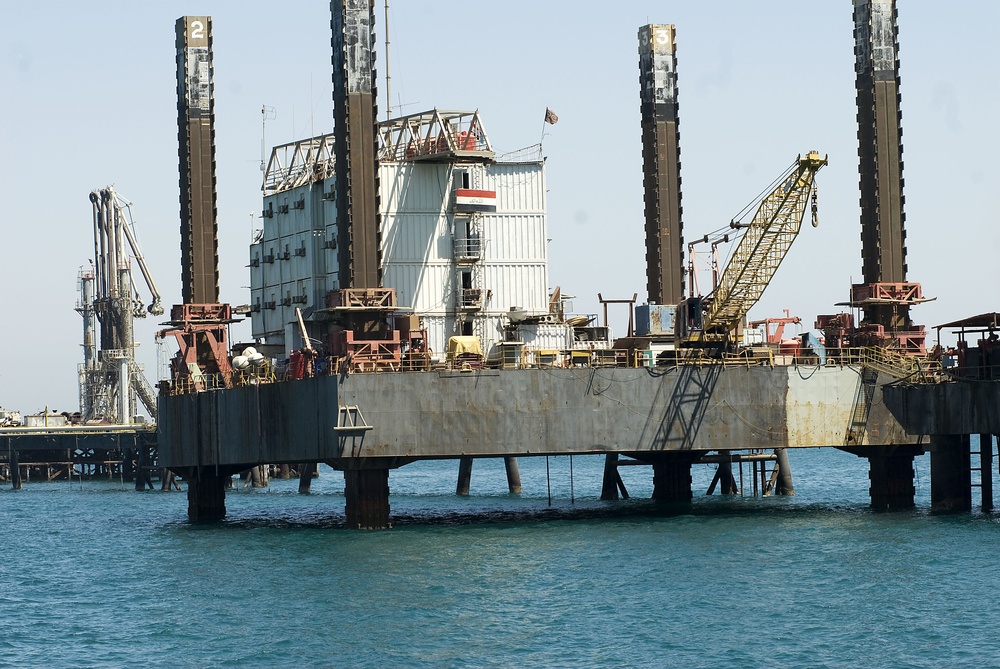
(418, 236)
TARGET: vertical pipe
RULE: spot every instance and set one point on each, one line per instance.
(124, 391)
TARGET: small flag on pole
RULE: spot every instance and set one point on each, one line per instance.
(550, 117)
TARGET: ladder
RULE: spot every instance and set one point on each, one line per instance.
(862, 407)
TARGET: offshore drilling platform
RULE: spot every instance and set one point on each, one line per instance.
(401, 272)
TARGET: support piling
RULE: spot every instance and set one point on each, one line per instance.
(513, 475)
(891, 476)
(784, 485)
(672, 478)
(464, 477)
(306, 472)
(951, 474)
(15, 469)
(206, 497)
(367, 499)
(986, 470)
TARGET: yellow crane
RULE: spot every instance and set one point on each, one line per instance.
(766, 239)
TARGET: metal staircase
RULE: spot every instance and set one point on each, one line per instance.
(143, 390)
(862, 407)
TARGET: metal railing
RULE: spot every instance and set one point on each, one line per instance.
(910, 368)
(916, 369)
(470, 248)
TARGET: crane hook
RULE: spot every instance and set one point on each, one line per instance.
(815, 207)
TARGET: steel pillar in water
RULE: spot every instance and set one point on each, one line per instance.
(206, 496)
(986, 470)
(784, 485)
(612, 483)
(513, 475)
(672, 477)
(951, 474)
(464, 477)
(367, 493)
(15, 469)
(891, 476)
(306, 472)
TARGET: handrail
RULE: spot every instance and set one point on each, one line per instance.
(911, 368)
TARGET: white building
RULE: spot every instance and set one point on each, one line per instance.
(460, 262)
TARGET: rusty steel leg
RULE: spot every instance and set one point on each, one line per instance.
(727, 482)
(306, 472)
(951, 474)
(206, 497)
(785, 486)
(367, 493)
(609, 487)
(891, 477)
(672, 478)
(464, 477)
(140, 463)
(986, 466)
(513, 475)
(15, 469)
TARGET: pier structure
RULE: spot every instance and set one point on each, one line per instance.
(67, 452)
(953, 410)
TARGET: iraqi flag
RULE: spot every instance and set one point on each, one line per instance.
(470, 200)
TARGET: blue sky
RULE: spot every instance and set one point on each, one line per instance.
(89, 100)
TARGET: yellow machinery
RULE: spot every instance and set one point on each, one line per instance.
(713, 320)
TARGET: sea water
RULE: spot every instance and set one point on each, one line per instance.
(94, 574)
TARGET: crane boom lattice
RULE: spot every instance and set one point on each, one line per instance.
(764, 244)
